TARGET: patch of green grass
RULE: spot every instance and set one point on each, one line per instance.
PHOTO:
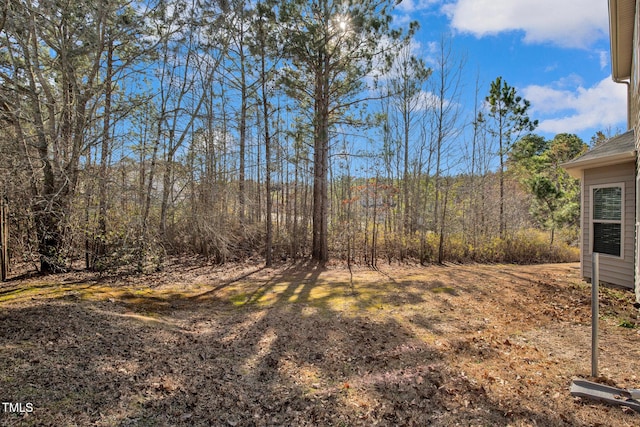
(12, 294)
(26, 292)
(613, 293)
(238, 299)
(628, 324)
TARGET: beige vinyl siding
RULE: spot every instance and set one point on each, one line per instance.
(615, 270)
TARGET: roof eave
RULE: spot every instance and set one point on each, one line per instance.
(575, 167)
(621, 26)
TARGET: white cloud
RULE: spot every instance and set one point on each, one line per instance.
(402, 20)
(410, 6)
(570, 82)
(566, 23)
(412, 49)
(573, 110)
(604, 59)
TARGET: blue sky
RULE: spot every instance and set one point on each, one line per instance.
(554, 52)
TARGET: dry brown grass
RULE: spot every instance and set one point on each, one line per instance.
(303, 345)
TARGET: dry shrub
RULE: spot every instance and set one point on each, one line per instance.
(533, 246)
(523, 247)
(219, 238)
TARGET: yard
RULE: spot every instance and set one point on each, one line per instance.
(302, 345)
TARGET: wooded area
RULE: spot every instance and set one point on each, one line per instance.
(132, 130)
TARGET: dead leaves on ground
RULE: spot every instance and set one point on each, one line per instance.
(498, 347)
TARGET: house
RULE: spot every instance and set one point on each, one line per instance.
(609, 172)
(607, 216)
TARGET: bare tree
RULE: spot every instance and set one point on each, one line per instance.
(446, 91)
(406, 86)
(60, 99)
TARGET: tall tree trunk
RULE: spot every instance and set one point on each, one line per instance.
(104, 157)
(320, 244)
(406, 224)
(144, 226)
(243, 139)
(267, 151)
(442, 223)
(501, 178)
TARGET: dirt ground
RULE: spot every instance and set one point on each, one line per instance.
(300, 345)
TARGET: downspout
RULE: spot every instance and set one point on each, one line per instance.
(627, 83)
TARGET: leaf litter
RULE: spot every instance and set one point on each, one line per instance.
(303, 345)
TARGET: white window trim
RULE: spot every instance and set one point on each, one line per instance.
(621, 221)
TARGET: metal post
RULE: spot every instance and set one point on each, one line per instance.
(4, 240)
(595, 312)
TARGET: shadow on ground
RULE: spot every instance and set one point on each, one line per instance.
(299, 346)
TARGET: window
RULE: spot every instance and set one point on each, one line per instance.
(607, 207)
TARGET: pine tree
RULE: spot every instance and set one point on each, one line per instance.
(331, 46)
(508, 119)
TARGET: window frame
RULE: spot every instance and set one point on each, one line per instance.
(621, 221)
